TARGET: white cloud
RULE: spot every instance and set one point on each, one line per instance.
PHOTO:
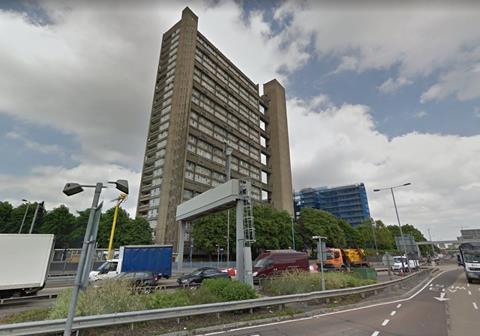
(340, 145)
(413, 40)
(33, 145)
(91, 73)
(421, 114)
(476, 112)
(45, 183)
(392, 85)
(463, 82)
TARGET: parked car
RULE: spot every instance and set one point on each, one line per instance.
(201, 274)
(276, 261)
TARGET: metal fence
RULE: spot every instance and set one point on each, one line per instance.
(87, 322)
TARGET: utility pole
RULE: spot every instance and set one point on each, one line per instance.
(24, 215)
(228, 153)
(293, 234)
(431, 242)
(374, 235)
(39, 205)
(398, 220)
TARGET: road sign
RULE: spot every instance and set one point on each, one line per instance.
(387, 260)
(408, 243)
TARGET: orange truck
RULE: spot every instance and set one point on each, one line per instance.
(338, 259)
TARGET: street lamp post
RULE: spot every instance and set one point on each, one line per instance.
(88, 242)
(39, 205)
(398, 220)
(24, 215)
(320, 256)
(374, 236)
(228, 153)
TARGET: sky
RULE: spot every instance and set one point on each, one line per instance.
(377, 93)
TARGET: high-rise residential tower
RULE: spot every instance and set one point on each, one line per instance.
(202, 104)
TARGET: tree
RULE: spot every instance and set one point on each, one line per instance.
(316, 222)
(272, 230)
(59, 222)
(6, 210)
(17, 217)
(385, 240)
(352, 237)
(211, 230)
(408, 229)
(128, 231)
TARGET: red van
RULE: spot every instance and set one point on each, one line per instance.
(276, 261)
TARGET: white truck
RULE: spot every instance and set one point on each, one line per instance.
(24, 263)
(400, 262)
(470, 260)
(137, 258)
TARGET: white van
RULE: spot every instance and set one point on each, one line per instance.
(399, 260)
(106, 271)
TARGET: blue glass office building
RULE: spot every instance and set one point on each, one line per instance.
(346, 202)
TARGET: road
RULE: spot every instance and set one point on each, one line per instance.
(455, 312)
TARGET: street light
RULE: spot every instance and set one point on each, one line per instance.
(320, 255)
(81, 278)
(228, 151)
(374, 226)
(34, 219)
(24, 215)
(398, 220)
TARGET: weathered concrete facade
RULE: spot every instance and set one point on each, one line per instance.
(203, 103)
(281, 175)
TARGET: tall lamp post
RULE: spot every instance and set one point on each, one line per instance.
(88, 242)
(24, 215)
(398, 220)
(374, 226)
(39, 206)
(228, 153)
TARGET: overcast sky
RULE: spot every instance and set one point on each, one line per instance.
(377, 94)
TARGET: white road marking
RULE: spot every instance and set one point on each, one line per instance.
(393, 313)
(452, 291)
(443, 289)
(442, 297)
(469, 293)
(475, 306)
(399, 305)
(331, 313)
(468, 285)
(385, 322)
(375, 333)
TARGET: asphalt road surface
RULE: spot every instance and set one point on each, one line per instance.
(447, 306)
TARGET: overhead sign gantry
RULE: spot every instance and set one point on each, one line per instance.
(234, 193)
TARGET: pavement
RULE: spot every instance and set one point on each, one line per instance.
(446, 306)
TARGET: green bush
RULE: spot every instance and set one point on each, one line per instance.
(161, 299)
(111, 297)
(37, 314)
(221, 290)
(304, 282)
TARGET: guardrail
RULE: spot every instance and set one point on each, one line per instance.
(27, 298)
(87, 322)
